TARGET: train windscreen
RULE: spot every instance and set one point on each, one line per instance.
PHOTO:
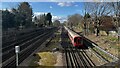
(78, 40)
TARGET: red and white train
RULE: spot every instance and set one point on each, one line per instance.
(76, 39)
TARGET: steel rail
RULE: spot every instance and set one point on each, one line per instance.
(96, 45)
(27, 47)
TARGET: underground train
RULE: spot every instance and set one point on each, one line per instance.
(76, 39)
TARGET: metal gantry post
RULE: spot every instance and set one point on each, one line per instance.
(17, 50)
(16, 59)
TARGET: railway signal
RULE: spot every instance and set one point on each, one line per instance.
(17, 50)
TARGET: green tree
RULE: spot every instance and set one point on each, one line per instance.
(25, 13)
(36, 21)
(17, 17)
(49, 18)
(7, 19)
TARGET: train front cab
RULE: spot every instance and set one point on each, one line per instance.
(78, 42)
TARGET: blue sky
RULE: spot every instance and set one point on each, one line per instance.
(59, 10)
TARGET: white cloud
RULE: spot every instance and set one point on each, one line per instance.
(7, 9)
(54, 17)
(61, 19)
(39, 13)
(62, 4)
(51, 7)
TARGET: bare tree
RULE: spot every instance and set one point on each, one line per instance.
(99, 9)
(40, 20)
(116, 11)
(56, 23)
(84, 12)
(74, 20)
(86, 17)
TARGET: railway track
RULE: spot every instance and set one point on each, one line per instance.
(20, 38)
(9, 50)
(9, 36)
(7, 39)
(76, 58)
(26, 51)
(99, 52)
